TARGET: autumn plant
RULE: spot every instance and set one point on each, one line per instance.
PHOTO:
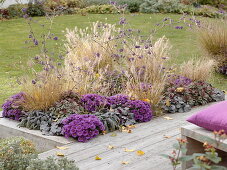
(197, 69)
(204, 161)
(213, 41)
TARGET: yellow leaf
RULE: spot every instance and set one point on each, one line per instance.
(129, 150)
(168, 118)
(167, 137)
(62, 148)
(180, 89)
(168, 102)
(146, 100)
(140, 153)
(98, 158)
(131, 126)
(97, 75)
(124, 162)
(113, 134)
(111, 147)
(60, 154)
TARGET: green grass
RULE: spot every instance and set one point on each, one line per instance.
(14, 53)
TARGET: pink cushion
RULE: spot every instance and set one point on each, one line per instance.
(211, 118)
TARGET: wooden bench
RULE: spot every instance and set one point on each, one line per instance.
(196, 136)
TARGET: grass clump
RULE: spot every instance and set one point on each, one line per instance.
(198, 70)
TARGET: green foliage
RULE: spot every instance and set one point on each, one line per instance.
(163, 6)
(51, 163)
(48, 123)
(35, 9)
(55, 5)
(114, 118)
(132, 5)
(15, 153)
(203, 10)
(68, 104)
(101, 9)
(215, 3)
(15, 10)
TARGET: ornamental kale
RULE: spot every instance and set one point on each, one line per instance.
(182, 98)
(141, 109)
(94, 102)
(113, 119)
(12, 107)
(82, 127)
(68, 104)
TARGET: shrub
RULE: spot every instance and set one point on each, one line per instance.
(82, 127)
(52, 163)
(16, 10)
(4, 14)
(101, 9)
(66, 4)
(16, 153)
(12, 108)
(132, 5)
(163, 6)
(197, 70)
(35, 9)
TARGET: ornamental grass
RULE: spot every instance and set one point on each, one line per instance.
(42, 94)
(213, 40)
(198, 69)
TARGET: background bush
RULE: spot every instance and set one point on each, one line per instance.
(132, 5)
(17, 153)
(163, 6)
(15, 10)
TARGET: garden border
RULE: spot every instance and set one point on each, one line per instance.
(9, 128)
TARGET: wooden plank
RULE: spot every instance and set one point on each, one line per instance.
(202, 135)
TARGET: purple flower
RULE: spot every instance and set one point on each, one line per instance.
(12, 107)
(82, 127)
(179, 27)
(122, 21)
(55, 38)
(94, 102)
(141, 109)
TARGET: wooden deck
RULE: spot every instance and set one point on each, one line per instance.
(148, 137)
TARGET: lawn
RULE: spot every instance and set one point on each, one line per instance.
(15, 54)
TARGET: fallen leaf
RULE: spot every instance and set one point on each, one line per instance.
(113, 134)
(180, 89)
(129, 131)
(140, 153)
(129, 150)
(111, 147)
(146, 100)
(124, 162)
(168, 118)
(60, 154)
(167, 137)
(98, 158)
(168, 102)
(131, 126)
(104, 132)
(61, 147)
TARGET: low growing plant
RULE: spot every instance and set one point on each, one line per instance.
(82, 127)
(12, 108)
